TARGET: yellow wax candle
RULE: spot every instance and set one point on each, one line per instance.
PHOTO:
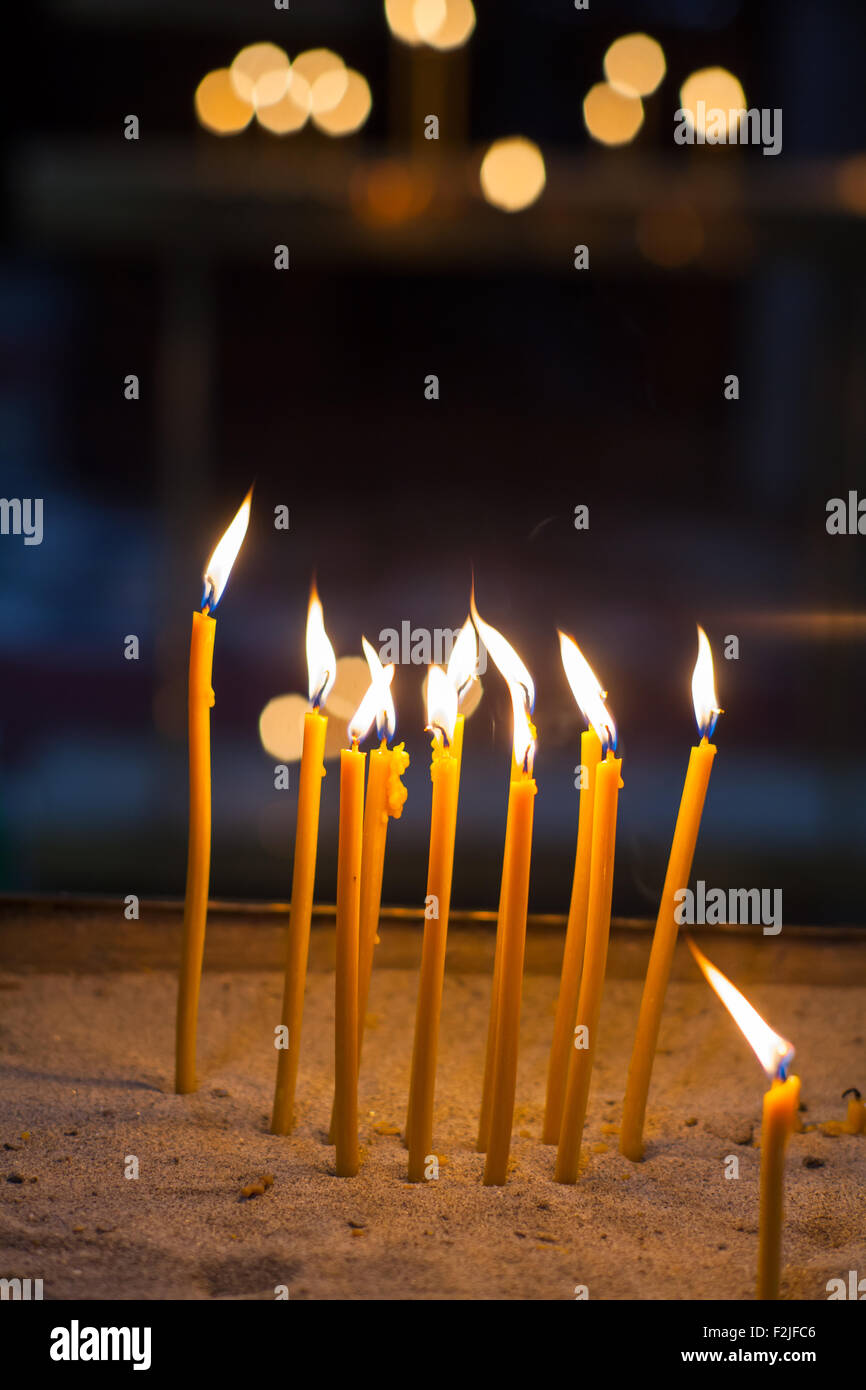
(300, 916)
(780, 1113)
(445, 776)
(321, 672)
(352, 764)
(665, 935)
(513, 929)
(607, 785)
(490, 1052)
(575, 941)
(201, 699)
(521, 688)
(384, 798)
(461, 671)
(781, 1119)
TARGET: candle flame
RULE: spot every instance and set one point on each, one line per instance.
(463, 661)
(321, 661)
(381, 676)
(218, 567)
(772, 1051)
(587, 691)
(524, 729)
(704, 688)
(521, 686)
(441, 703)
(375, 698)
(505, 658)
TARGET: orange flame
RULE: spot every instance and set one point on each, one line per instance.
(376, 698)
(441, 703)
(521, 687)
(218, 567)
(463, 661)
(772, 1051)
(587, 691)
(704, 688)
(321, 661)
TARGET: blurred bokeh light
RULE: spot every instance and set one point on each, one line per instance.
(218, 106)
(513, 174)
(610, 116)
(351, 111)
(712, 90)
(635, 65)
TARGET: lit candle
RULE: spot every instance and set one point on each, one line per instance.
(442, 720)
(575, 935)
(503, 1030)
(781, 1103)
(201, 699)
(676, 879)
(590, 697)
(352, 764)
(385, 797)
(512, 925)
(461, 673)
(321, 673)
(510, 665)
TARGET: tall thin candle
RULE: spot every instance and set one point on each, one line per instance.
(677, 878)
(201, 699)
(321, 672)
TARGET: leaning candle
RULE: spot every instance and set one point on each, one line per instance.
(781, 1103)
(590, 697)
(575, 935)
(321, 672)
(201, 699)
(509, 664)
(442, 717)
(676, 879)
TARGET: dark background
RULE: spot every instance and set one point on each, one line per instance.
(557, 388)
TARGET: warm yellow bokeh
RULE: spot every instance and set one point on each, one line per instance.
(441, 24)
(457, 27)
(351, 111)
(635, 65)
(512, 174)
(610, 116)
(713, 90)
(260, 73)
(428, 17)
(218, 106)
(401, 21)
(291, 112)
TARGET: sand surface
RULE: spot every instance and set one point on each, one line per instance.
(86, 1074)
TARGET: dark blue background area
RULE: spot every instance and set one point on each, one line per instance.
(557, 388)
